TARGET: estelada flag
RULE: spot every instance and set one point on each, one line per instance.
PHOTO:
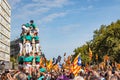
(76, 65)
(49, 66)
(90, 53)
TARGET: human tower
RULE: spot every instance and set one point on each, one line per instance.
(29, 54)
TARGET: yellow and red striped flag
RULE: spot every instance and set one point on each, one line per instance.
(49, 66)
(41, 62)
(76, 66)
(90, 53)
(56, 67)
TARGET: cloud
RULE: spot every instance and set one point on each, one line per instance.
(31, 13)
(52, 3)
(92, 0)
(86, 8)
(36, 8)
(69, 28)
(42, 11)
(80, 9)
(14, 3)
(53, 16)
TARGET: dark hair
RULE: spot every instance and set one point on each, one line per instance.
(31, 21)
(71, 76)
(36, 53)
(28, 33)
(26, 55)
(6, 70)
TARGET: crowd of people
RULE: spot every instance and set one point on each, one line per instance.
(33, 65)
(96, 72)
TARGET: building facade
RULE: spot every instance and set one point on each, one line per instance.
(5, 14)
(14, 47)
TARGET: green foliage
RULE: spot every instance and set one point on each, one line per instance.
(83, 51)
(106, 41)
(12, 59)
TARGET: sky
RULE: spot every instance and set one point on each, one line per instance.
(64, 24)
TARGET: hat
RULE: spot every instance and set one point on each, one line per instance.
(42, 70)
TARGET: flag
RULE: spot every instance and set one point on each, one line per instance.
(76, 65)
(56, 67)
(60, 65)
(90, 53)
(41, 61)
(64, 54)
(49, 66)
(79, 61)
(54, 61)
(68, 61)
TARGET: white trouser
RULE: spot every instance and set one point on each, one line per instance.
(27, 68)
(25, 28)
(28, 48)
(37, 47)
(37, 66)
(21, 46)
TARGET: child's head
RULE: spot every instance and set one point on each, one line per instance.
(31, 21)
(27, 55)
(36, 54)
(31, 53)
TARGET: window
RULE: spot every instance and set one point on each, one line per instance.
(4, 5)
(0, 45)
(0, 36)
(0, 9)
(0, 18)
(0, 27)
(2, 55)
(9, 12)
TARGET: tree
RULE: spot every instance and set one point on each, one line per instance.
(106, 41)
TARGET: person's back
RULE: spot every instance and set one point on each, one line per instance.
(20, 59)
(28, 37)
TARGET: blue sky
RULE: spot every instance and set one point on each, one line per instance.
(64, 24)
